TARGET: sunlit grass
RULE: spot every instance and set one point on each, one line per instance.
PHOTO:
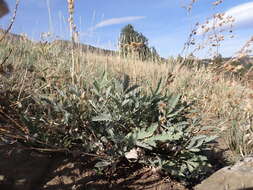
(37, 68)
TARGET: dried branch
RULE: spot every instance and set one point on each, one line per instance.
(12, 21)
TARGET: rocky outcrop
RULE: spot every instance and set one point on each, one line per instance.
(236, 177)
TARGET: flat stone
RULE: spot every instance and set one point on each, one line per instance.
(236, 177)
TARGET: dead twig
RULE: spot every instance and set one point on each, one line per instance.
(6, 58)
(12, 21)
(22, 128)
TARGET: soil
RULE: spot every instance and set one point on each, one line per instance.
(25, 169)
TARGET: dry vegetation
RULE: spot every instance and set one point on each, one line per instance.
(220, 99)
(35, 78)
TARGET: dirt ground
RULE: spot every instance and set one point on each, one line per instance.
(24, 169)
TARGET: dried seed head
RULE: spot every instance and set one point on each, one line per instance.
(72, 26)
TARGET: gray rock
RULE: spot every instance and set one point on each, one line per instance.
(236, 177)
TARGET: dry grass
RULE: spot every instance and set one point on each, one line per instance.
(37, 68)
(218, 97)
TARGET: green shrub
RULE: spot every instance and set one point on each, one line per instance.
(115, 121)
(154, 126)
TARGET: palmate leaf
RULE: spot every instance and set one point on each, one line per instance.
(126, 82)
(108, 92)
(198, 141)
(96, 88)
(156, 91)
(74, 90)
(60, 92)
(100, 84)
(164, 137)
(194, 149)
(173, 114)
(93, 104)
(174, 101)
(102, 164)
(102, 117)
(66, 117)
(145, 133)
(140, 137)
(131, 89)
(150, 145)
(47, 100)
(210, 138)
(125, 102)
(103, 79)
(117, 101)
(191, 166)
(180, 124)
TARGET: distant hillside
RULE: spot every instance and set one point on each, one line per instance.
(11, 37)
(65, 44)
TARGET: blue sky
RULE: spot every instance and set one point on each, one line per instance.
(164, 22)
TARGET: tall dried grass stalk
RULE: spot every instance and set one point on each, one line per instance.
(244, 51)
(72, 26)
(217, 36)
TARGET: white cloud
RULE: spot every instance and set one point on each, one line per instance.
(243, 15)
(114, 21)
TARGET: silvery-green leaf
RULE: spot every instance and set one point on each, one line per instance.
(102, 117)
(102, 164)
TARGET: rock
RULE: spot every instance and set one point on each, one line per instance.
(236, 177)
